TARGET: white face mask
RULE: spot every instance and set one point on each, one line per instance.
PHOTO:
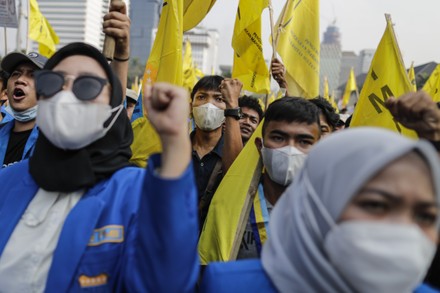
(283, 163)
(71, 124)
(379, 257)
(208, 117)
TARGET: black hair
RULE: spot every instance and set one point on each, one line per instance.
(292, 109)
(208, 82)
(4, 76)
(251, 103)
(327, 110)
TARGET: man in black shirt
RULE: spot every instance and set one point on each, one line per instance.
(17, 137)
(216, 141)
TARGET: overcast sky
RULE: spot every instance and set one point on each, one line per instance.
(361, 24)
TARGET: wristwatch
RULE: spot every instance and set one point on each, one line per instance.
(236, 113)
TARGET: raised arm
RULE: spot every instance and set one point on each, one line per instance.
(419, 112)
(117, 24)
(165, 254)
(230, 89)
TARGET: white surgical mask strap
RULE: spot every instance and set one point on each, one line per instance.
(118, 111)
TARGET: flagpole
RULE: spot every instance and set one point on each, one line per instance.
(283, 13)
(275, 39)
(108, 49)
(27, 27)
(18, 40)
(271, 30)
(266, 99)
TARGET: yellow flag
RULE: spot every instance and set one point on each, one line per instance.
(199, 73)
(412, 77)
(165, 61)
(41, 31)
(349, 88)
(432, 85)
(386, 78)
(297, 34)
(219, 230)
(189, 72)
(249, 65)
(326, 90)
(145, 142)
(194, 11)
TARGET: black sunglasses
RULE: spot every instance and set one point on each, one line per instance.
(85, 87)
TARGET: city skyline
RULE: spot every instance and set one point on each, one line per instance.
(361, 24)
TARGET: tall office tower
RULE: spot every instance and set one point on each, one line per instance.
(144, 16)
(331, 55)
(349, 60)
(204, 44)
(76, 20)
(365, 58)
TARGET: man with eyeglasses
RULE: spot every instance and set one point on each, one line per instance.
(18, 136)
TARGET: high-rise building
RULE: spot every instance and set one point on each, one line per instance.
(76, 20)
(330, 61)
(204, 47)
(204, 44)
(349, 60)
(365, 58)
(144, 15)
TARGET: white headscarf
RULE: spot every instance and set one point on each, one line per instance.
(335, 170)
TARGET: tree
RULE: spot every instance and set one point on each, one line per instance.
(135, 69)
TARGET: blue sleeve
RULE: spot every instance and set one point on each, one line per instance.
(424, 288)
(165, 257)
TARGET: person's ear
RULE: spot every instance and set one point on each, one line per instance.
(259, 144)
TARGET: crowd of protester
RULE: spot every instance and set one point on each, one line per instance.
(350, 209)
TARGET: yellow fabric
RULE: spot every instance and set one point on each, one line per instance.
(298, 46)
(189, 71)
(194, 12)
(221, 224)
(249, 65)
(165, 61)
(41, 31)
(349, 88)
(326, 90)
(387, 77)
(432, 85)
(259, 218)
(412, 77)
(164, 65)
(145, 143)
(199, 73)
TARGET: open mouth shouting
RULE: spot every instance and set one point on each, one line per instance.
(18, 94)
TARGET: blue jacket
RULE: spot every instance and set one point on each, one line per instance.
(5, 131)
(6, 116)
(130, 232)
(248, 276)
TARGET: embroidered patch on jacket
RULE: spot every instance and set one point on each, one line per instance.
(107, 234)
(87, 282)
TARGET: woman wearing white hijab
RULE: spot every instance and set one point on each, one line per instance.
(362, 216)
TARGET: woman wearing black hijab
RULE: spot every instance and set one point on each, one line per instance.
(76, 215)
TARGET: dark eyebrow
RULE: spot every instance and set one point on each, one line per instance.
(279, 132)
(396, 199)
(304, 136)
